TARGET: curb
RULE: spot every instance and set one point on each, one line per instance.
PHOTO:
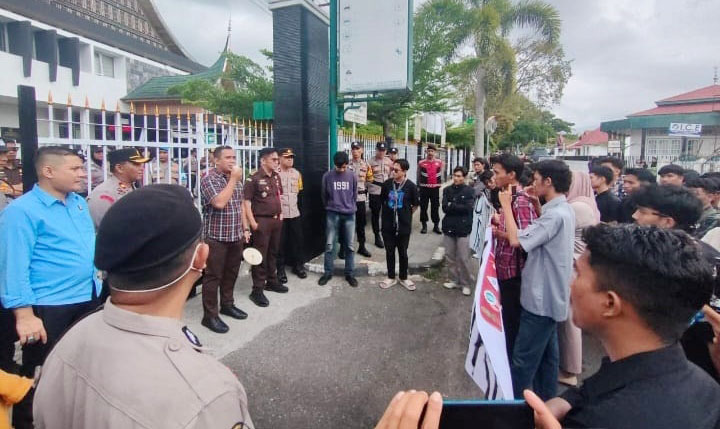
(373, 269)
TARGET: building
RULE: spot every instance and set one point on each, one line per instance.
(594, 143)
(680, 129)
(82, 53)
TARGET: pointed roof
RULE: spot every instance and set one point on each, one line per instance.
(703, 100)
(709, 93)
(591, 138)
(157, 88)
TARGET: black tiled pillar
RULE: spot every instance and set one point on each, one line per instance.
(301, 70)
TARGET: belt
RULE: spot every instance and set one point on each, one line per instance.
(277, 216)
(363, 192)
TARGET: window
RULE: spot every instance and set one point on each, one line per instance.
(104, 65)
(663, 147)
(693, 146)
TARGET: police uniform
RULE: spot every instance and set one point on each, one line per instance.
(365, 177)
(430, 181)
(105, 195)
(381, 171)
(121, 369)
(263, 191)
(291, 238)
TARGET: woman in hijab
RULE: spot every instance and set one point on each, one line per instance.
(582, 200)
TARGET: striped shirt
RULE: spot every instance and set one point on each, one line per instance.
(221, 225)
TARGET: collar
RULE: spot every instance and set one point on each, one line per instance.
(262, 172)
(164, 327)
(556, 202)
(48, 199)
(614, 375)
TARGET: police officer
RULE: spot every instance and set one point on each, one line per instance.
(290, 249)
(381, 170)
(364, 176)
(393, 154)
(126, 168)
(150, 245)
(264, 213)
(430, 172)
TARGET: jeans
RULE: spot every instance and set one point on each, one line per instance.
(345, 223)
(535, 357)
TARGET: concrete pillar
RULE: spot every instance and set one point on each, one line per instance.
(301, 73)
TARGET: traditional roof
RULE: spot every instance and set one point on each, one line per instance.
(592, 138)
(157, 88)
(711, 92)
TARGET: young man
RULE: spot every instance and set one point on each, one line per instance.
(400, 200)
(226, 231)
(47, 275)
(150, 245)
(510, 260)
(458, 204)
(672, 174)
(705, 189)
(616, 165)
(480, 165)
(126, 167)
(292, 234)
(364, 176)
(381, 167)
(430, 172)
(636, 290)
(339, 194)
(263, 209)
(633, 180)
(608, 203)
(545, 279)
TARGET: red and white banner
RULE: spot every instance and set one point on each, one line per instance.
(487, 361)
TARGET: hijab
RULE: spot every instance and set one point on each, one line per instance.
(581, 191)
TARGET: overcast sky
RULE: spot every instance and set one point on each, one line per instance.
(626, 53)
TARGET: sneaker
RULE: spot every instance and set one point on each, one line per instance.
(388, 283)
(466, 291)
(450, 285)
(408, 284)
(352, 281)
(437, 230)
(324, 279)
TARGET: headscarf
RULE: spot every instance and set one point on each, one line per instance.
(581, 191)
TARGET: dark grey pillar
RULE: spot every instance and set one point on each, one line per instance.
(301, 70)
(69, 56)
(46, 50)
(20, 42)
(27, 113)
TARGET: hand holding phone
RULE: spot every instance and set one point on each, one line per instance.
(412, 410)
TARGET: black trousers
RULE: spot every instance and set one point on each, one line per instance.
(56, 320)
(511, 309)
(8, 336)
(375, 208)
(401, 243)
(430, 196)
(290, 243)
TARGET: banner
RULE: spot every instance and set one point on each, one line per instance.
(487, 361)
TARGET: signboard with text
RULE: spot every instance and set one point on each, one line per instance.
(685, 130)
(356, 113)
(375, 45)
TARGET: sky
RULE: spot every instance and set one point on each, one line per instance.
(626, 54)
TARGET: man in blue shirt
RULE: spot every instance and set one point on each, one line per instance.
(47, 246)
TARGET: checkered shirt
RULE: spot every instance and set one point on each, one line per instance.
(509, 260)
(221, 225)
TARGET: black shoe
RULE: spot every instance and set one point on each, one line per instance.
(324, 279)
(281, 275)
(364, 252)
(341, 253)
(436, 230)
(424, 228)
(379, 242)
(277, 288)
(233, 312)
(258, 297)
(215, 324)
(352, 281)
(299, 271)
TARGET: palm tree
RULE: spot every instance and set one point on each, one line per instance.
(486, 27)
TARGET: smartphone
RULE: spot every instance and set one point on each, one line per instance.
(513, 190)
(473, 414)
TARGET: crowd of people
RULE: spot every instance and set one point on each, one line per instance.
(640, 257)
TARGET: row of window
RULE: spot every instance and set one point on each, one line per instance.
(671, 147)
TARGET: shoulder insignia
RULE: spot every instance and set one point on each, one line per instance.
(191, 337)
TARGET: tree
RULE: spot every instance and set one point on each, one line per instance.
(492, 67)
(243, 83)
(542, 70)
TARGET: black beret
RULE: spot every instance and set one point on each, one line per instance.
(147, 228)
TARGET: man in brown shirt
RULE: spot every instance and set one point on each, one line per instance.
(263, 209)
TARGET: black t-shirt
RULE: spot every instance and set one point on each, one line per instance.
(658, 389)
(609, 205)
(627, 209)
(400, 202)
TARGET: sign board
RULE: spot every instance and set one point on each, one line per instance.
(375, 45)
(685, 130)
(356, 112)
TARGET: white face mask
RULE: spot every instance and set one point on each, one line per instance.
(167, 285)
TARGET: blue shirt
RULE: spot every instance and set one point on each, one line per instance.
(46, 251)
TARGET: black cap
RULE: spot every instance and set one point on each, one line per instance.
(381, 146)
(287, 153)
(126, 155)
(147, 228)
(340, 159)
(356, 145)
(393, 150)
(266, 151)
(431, 146)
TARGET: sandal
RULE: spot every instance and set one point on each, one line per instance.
(408, 284)
(388, 283)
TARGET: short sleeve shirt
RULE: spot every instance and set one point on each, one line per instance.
(292, 185)
(549, 240)
(104, 196)
(263, 191)
(225, 224)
